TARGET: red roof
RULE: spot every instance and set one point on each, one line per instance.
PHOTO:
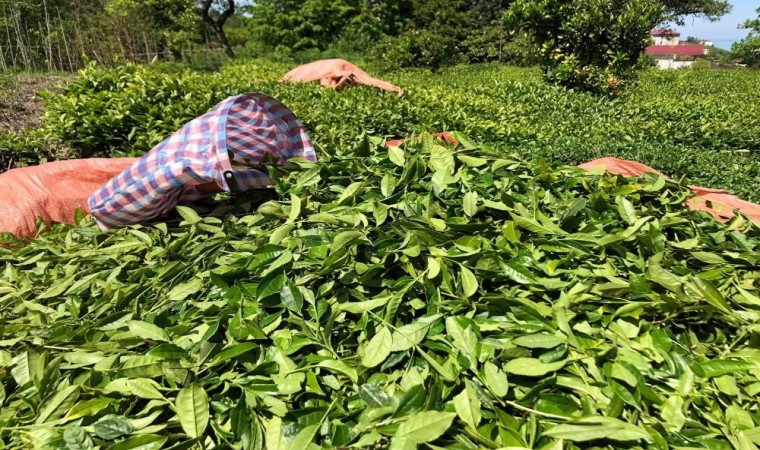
(664, 33)
(681, 50)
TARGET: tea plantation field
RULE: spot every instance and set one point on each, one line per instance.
(485, 296)
(701, 125)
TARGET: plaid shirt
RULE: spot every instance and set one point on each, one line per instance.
(221, 146)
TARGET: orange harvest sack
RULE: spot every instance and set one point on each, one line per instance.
(52, 191)
(337, 74)
(719, 203)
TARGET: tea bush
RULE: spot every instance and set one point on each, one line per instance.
(126, 107)
(29, 148)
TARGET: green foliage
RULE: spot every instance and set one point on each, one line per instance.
(392, 297)
(63, 34)
(130, 107)
(8, 84)
(300, 25)
(597, 45)
(427, 48)
(701, 64)
(176, 20)
(413, 33)
(593, 45)
(748, 49)
(495, 44)
(445, 33)
(698, 126)
(29, 148)
(678, 10)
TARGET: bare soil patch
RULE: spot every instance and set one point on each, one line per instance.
(21, 105)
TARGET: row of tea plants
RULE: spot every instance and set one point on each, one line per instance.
(700, 126)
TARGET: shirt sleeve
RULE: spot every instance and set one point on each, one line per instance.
(138, 194)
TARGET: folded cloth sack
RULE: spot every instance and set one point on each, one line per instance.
(231, 146)
(52, 191)
(337, 74)
(719, 203)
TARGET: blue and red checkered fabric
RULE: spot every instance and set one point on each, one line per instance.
(240, 133)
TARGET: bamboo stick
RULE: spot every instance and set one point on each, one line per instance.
(65, 44)
(8, 33)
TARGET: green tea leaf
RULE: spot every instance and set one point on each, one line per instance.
(410, 400)
(87, 408)
(304, 438)
(626, 210)
(188, 214)
(531, 367)
(496, 380)
(295, 208)
(57, 405)
(396, 155)
(76, 438)
(147, 330)
(374, 396)
(192, 410)
(539, 340)
(424, 426)
(275, 439)
(141, 442)
(469, 282)
(593, 428)
(388, 184)
(340, 367)
(291, 297)
(672, 414)
(112, 427)
(378, 348)
(718, 367)
(467, 405)
(470, 203)
(185, 290)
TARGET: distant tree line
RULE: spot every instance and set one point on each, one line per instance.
(591, 45)
(405, 33)
(64, 34)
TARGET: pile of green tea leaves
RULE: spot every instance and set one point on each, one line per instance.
(398, 297)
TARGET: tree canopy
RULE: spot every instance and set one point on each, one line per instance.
(748, 49)
(597, 45)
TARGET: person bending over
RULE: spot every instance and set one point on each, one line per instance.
(227, 149)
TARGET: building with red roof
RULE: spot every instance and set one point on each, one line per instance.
(671, 53)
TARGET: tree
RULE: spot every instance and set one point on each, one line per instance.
(181, 21)
(748, 49)
(317, 24)
(677, 10)
(596, 45)
(216, 20)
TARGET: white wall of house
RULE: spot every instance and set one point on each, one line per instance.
(665, 40)
(672, 64)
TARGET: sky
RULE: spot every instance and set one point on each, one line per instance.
(725, 32)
